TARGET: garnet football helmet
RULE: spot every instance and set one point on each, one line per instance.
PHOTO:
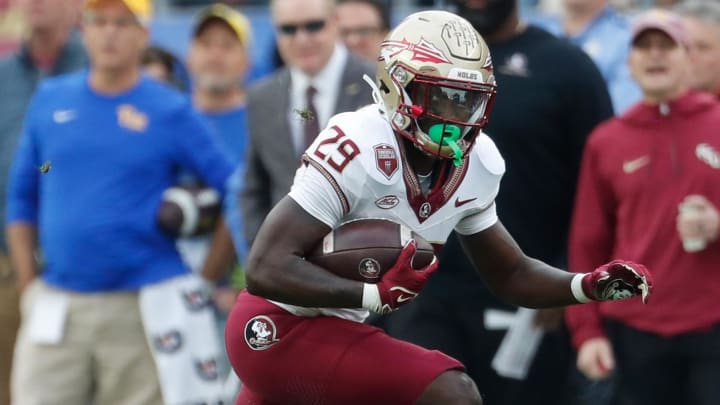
(435, 79)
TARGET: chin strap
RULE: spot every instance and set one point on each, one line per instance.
(377, 97)
(447, 135)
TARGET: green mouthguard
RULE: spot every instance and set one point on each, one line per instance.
(448, 135)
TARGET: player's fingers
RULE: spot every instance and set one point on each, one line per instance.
(407, 253)
(644, 279)
(432, 267)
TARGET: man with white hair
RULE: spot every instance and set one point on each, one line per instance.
(702, 23)
(287, 109)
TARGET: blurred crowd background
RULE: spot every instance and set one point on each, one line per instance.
(171, 25)
(540, 127)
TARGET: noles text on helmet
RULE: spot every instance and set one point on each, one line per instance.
(435, 78)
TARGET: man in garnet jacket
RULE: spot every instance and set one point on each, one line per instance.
(648, 191)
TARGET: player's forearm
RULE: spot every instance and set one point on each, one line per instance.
(534, 284)
(293, 280)
(22, 244)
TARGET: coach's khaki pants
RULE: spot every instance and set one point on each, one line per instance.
(9, 323)
(103, 359)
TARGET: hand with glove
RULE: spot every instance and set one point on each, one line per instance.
(399, 285)
(613, 281)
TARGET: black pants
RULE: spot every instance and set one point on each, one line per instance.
(653, 370)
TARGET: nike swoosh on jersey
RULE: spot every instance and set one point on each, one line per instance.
(459, 202)
(63, 116)
(631, 166)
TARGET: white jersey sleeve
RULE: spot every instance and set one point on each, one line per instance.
(477, 222)
(316, 195)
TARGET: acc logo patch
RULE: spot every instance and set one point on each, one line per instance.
(260, 333)
(387, 202)
(169, 342)
(386, 159)
(195, 300)
(207, 369)
(369, 268)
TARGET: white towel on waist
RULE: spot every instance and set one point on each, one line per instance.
(180, 326)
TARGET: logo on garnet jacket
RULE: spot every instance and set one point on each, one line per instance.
(386, 159)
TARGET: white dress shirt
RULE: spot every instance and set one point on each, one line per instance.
(327, 83)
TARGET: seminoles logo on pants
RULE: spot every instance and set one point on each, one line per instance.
(260, 333)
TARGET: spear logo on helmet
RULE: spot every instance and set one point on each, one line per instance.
(423, 51)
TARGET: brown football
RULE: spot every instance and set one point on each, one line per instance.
(365, 249)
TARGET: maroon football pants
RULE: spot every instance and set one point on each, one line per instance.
(286, 359)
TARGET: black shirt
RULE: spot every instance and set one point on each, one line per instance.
(550, 96)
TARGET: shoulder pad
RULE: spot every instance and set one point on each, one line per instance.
(489, 155)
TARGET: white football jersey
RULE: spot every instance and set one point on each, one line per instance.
(355, 169)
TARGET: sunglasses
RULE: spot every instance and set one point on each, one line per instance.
(310, 27)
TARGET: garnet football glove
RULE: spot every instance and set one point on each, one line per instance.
(399, 285)
(613, 281)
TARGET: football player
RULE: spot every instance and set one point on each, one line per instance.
(418, 157)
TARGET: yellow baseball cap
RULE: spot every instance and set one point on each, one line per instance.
(142, 9)
(233, 18)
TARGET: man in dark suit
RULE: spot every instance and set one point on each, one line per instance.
(288, 109)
